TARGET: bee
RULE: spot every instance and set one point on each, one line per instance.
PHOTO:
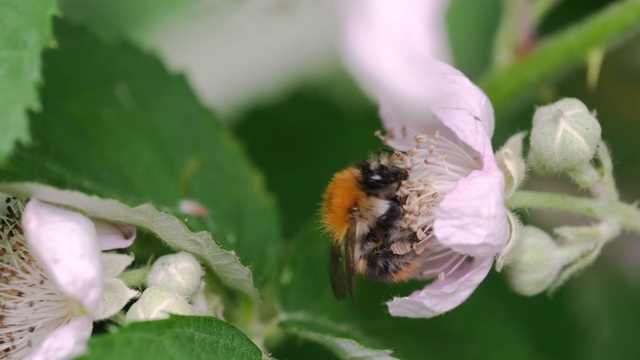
(361, 211)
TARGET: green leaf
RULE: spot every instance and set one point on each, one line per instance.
(471, 34)
(118, 17)
(344, 348)
(179, 337)
(25, 29)
(560, 14)
(603, 304)
(118, 125)
(311, 136)
(506, 86)
(167, 227)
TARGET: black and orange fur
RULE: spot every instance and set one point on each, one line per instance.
(360, 211)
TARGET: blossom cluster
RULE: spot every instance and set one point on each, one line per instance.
(54, 279)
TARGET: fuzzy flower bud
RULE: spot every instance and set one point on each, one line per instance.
(533, 266)
(157, 303)
(535, 261)
(565, 136)
(54, 280)
(178, 273)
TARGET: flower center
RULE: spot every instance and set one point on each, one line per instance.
(435, 164)
(31, 305)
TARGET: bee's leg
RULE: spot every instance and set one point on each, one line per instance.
(392, 215)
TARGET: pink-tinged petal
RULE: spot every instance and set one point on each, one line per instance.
(65, 342)
(461, 105)
(193, 208)
(450, 103)
(114, 236)
(442, 295)
(64, 243)
(385, 43)
(472, 218)
(402, 124)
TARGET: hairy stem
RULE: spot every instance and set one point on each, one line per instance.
(628, 215)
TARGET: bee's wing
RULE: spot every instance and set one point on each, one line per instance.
(349, 254)
(343, 276)
(336, 273)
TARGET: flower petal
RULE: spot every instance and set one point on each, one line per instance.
(111, 236)
(450, 101)
(64, 243)
(114, 264)
(472, 219)
(442, 295)
(65, 342)
(116, 296)
(463, 107)
(385, 43)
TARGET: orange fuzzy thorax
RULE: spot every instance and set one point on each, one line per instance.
(342, 195)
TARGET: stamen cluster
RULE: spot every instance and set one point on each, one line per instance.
(435, 164)
(30, 304)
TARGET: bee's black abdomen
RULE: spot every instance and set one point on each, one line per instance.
(384, 265)
(381, 263)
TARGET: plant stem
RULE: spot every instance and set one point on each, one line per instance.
(628, 215)
(507, 84)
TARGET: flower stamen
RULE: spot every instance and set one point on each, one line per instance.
(31, 304)
(435, 165)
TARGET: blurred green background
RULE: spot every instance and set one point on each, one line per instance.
(270, 71)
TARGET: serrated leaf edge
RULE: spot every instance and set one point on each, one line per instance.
(224, 263)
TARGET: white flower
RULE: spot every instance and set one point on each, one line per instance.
(442, 125)
(455, 198)
(172, 282)
(380, 36)
(52, 282)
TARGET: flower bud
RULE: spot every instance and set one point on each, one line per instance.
(157, 303)
(582, 245)
(565, 135)
(179, 273)
(515, 232)
(534, 262)
(207, 303)
(510, 161)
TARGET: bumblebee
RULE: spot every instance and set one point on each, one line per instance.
(361, 211)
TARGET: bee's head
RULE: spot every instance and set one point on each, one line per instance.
(379, 177)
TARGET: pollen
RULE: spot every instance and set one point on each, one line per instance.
(435, 164)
